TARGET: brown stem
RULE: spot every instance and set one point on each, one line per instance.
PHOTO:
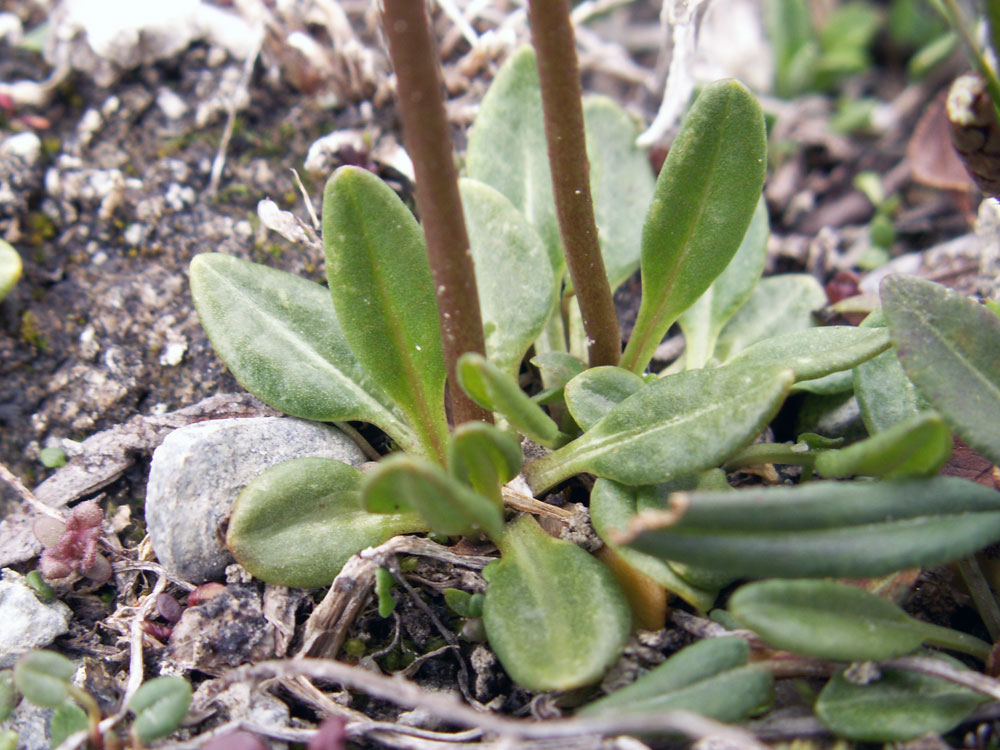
(555, 47)
(427, 140)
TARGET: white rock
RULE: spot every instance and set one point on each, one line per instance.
(171, 104)
(25, 621)
(27, 146)
(199, 470)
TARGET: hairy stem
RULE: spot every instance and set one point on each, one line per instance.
(428, 143)
(552, 36)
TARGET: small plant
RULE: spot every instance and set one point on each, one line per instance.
(370, 348)
(72, 546)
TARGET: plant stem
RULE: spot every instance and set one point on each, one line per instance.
(555, 47)
(428, 143)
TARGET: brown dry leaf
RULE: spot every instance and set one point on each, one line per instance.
(933, 161)
(968, 464)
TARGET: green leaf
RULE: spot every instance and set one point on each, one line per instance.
(817, 352)
(43, 677)
(557, 369)
(517, 291)
(789, 27)
(8, 739)
(300, 521)
(594, 392)
(67, 718)
(949, 347)
(678, 425)
(899, 706)
(10, 268)
(777, 305)
(837, 529)
(621, 183)
(497, 391)
(484, 457)
(280, 337)
(840, 381)
(464, 604)
(383, 592)
(886, 396)
(8, 695)
(709, 678)
(918, 446)
(383, 291)
(507, 148)
(159, 707)
(832, 620)
(612, 506)
(449, 507)
(704, 320)
(554, 615)
(704, 200)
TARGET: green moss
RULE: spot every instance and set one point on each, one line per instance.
(31, 334)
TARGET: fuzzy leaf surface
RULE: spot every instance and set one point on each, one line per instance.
(778, 304)
(704, 320)
(918, 446)
(817, 352)
(43, 677)
(594, 392)
(678, 425)
(833, 620)
(300, 521)
(826, 529)
(709, 678)
(554, 615)
(159, 707)
(886, 396)
(705, 197)
(517, 290)
(383, 291)
(484, 457)
(949, 347)
(401, 483)
(67, 718)
(280, 337)
(899, 706)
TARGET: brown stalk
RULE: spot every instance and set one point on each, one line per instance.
(427, 140)
(555, 47)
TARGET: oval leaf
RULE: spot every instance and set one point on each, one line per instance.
(817, 352)
(10, 268)
(448, 506)
(709, 678)
(280, 337)
(837, 529)
(383, 291)
(919, 446)
(832, 620)
(159, 707)
(899, 706)
(704, 320)
(678, 425)
(484, 457)
(68, 718)
(886, 396)
(705, 197)
(517, 290)
(554, 615)
(949, 347)
(594, 392)
(299, 522)
(43, 677)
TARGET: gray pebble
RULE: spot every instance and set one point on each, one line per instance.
(25, 621)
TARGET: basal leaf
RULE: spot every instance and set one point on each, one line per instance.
(554, 615)
(678, 425)
(886, 396)
(817, 352)
(383, 292)
(299, 522)
(507, 148)
(497, 391)
(949, 347)
(67, 718)
(43, 677)
(279, 336)
(704, 200)
(918, 446)
(556, 369)
(449, 507)
(704, 320)
(778, 304)
(709, 678)
(898, 706)
(594, 392)
(820, 529)
(484, 457)
(621, 183)
(612, 506)
(159, 707)
(832, 620)
(517, 291)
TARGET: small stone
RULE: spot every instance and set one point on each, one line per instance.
(199, 470)
(26, 622)
(26, 146)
